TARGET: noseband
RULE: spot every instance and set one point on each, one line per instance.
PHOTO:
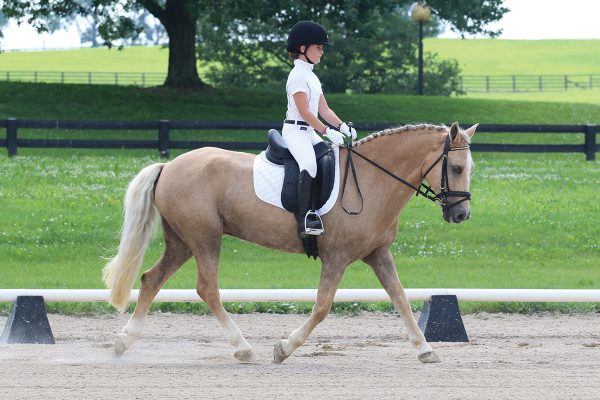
(445, 190)
(423, 189)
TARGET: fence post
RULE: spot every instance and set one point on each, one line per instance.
(440, 320)
(11, 137)
(27, 322)
(514, 84)
(590, 143)
(487, 84)
(163, 138)
(541, 85)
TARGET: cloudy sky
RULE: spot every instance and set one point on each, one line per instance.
(549, 19)
(528, 19)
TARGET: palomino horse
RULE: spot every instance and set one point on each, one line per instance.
(206, 193)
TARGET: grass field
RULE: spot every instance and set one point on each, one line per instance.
(519, 57)
(534, 219)
(101, 59)
(475, 57)
(532, 227)
(524, 57)
(102, 102)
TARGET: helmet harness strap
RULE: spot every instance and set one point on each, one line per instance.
(304, 54)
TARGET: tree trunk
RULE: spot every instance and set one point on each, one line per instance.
(180, 24)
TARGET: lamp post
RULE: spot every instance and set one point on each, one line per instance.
(421, 13)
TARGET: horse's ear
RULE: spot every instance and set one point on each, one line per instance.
(454, 131)
(471, 131)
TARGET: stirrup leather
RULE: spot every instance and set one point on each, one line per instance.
(313, 224)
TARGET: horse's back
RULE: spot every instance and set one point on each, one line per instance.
(196, 180)
(214, 187)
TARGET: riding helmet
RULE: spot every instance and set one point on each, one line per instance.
(305, 33)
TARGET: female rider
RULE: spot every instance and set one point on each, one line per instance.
(305, 100)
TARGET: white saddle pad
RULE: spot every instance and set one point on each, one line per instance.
(268, 181)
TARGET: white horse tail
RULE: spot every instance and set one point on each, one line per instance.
(138, 226)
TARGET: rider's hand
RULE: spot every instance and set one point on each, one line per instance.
(348, 131)
(334, 136)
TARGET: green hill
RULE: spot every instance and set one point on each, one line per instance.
(476, 57)
(104, 102)
(130, 59)
(520, 57)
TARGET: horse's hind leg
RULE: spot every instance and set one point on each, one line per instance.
(331, 274)
(207, 259)
(176, 253)
(382, 262)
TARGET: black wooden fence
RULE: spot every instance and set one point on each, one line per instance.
(164, 143)
(529, 83)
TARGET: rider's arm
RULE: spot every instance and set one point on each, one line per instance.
(301, 100)
(327, 113)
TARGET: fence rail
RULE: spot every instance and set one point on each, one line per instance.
(164, 142)
(529, 83)
(270, 295)
(469, 83)
(96, 78)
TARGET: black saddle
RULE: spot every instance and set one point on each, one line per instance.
(278, 153)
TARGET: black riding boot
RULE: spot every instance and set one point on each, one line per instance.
(309, 223)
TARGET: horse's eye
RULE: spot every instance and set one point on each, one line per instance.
(457, 169)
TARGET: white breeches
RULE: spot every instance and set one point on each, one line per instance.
(301, 142)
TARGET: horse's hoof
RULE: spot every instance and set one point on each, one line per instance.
(246, 356)
(278, 354)
(119, 347)
(429, 357)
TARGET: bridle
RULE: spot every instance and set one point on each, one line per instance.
(423, 189)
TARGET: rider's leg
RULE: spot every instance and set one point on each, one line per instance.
(300, 144)
(307, 224)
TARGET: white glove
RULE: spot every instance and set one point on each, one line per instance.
(334, 136)
(346, 130)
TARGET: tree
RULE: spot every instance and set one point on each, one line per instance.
(179, 18)
(262, 25)
(152, 32)
(375, 42)
(2, 23)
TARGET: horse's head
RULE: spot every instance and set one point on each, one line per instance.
(449, 174)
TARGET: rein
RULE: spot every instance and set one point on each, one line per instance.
(423, 189)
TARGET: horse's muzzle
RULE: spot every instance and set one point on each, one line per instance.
(456, 215)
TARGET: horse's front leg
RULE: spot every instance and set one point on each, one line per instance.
(331, 274)
(382, 262)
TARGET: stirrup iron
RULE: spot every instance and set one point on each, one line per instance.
(316, 223)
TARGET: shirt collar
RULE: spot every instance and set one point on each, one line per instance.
(303, 64)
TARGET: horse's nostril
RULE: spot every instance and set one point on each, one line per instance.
(461, 217)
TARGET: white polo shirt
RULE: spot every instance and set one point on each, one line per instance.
(302, 79)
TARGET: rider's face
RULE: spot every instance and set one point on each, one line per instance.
(314, 52)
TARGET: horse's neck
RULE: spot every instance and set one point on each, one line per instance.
(403, 155)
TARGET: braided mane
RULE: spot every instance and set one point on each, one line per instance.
(402, 129)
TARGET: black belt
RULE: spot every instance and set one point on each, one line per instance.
(292, 122)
